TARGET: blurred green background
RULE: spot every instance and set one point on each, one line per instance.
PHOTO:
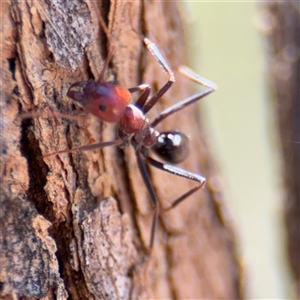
(227, 47)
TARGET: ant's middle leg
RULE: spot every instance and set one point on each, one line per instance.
(87, 147)
(210, 87)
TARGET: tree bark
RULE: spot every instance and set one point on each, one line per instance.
(283, 29)
(78, 224)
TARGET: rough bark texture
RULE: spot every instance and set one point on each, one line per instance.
(78, 225)
(283, 28)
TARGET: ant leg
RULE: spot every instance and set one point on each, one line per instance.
(189, 73)
(145, 89)
(157, 55)
(179, 172)
(87, 147)
(210, 87)
(140, 88)
(145, 174)
(37, 114)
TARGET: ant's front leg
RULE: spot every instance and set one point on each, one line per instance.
(77, 116)
(145, 89)
(158, 56)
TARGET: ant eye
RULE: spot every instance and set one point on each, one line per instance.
(102, 107)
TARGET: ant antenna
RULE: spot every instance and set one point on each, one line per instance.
(55, 29)
(104, 28)
(111, 43)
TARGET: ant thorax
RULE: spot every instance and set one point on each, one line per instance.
(135, 122)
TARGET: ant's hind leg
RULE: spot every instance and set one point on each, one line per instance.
(155, 204)
(178, 172)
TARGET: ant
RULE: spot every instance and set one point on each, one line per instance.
(110, 103)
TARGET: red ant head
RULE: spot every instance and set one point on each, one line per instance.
(105, 100)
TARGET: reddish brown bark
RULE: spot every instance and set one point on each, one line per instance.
(95, 204)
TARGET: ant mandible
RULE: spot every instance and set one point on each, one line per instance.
(110, 102)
